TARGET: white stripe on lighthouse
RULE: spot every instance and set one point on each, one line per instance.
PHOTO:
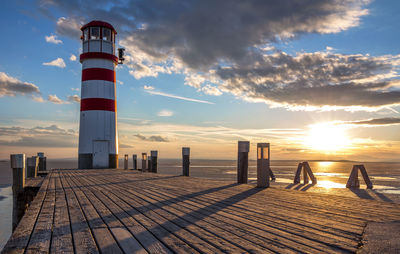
(98, 89)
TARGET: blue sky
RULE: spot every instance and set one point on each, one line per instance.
(256, 107)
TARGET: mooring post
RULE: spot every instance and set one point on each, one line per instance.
(134, 159)
(154, 155)
(243, 161)
(18, 172)
(263, 165)
(32, 164)
(126, 161)
(149, 164)
(144, 161)
(185, 161)
(42, 162)
(354, 182)
(305, 175)
(298, 172)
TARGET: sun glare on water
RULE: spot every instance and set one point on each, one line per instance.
(327, 137)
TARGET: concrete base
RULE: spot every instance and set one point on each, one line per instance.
(113, 161)
(85, 161)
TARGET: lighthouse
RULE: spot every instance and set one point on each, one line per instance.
(98, 138)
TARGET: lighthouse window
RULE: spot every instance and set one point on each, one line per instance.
(95, 33)
(106, 34)
(86, 34)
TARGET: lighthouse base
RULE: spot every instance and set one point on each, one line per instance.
(85, 161)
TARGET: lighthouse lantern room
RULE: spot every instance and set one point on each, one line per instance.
(98, 138)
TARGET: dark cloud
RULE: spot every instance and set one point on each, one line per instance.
(151, 138)
(221, 42)
(313, 80)
(48, 136)
(10, 86)
(202, 32)
(378, 121)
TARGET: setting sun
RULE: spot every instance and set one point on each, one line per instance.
(327, 137)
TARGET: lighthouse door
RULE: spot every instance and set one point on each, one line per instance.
(100, 154)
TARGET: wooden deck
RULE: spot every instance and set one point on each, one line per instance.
(117, 211)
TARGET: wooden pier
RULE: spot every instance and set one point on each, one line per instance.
(125, 211)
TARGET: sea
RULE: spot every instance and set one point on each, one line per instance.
(331, 175)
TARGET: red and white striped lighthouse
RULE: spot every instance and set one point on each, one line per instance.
(98, 138)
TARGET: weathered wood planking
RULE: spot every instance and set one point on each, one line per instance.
(116, 211)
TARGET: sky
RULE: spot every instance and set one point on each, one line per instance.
(317, 79)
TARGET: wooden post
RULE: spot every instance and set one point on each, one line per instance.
(365, 176)
(32, 164)
(126, 161)
(307, 172)
(149, 164)
(144, 161)
(42, 162)
(134, 159)
(298, 172)
(305, 176)
(154, 155)
(18, 172)
(185, 161)
(310, 173)
(263, 165)
(353, 181)
(243, 161)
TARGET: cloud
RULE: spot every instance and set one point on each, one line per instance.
(376, 122)
(228, 50)
(76, 89)
(53, 39)
(10, 86)
(165, 112)
(177, 97)
(151, 138)
(54, 99)
(314, 81)
(74, 98)
(70, 27)
(148, 87)
(211, 90)
(59, 62)
(48, 136)
(120, 82)
(72, 58)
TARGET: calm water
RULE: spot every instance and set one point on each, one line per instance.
(385, 177)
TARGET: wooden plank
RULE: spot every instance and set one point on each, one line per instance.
(102, 234)
(82, 235)
(161, 232)
(262, 224)
(41, 235)
(365, 176)
(123, 237)
(62, 237)
(227, 222)
(149, 242)
(21, 235)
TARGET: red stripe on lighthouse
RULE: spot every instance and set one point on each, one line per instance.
(98, 74)
(98, 104)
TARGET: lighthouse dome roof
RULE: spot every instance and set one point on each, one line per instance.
(98, 23)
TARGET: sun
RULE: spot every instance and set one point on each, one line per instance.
(327, 137)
